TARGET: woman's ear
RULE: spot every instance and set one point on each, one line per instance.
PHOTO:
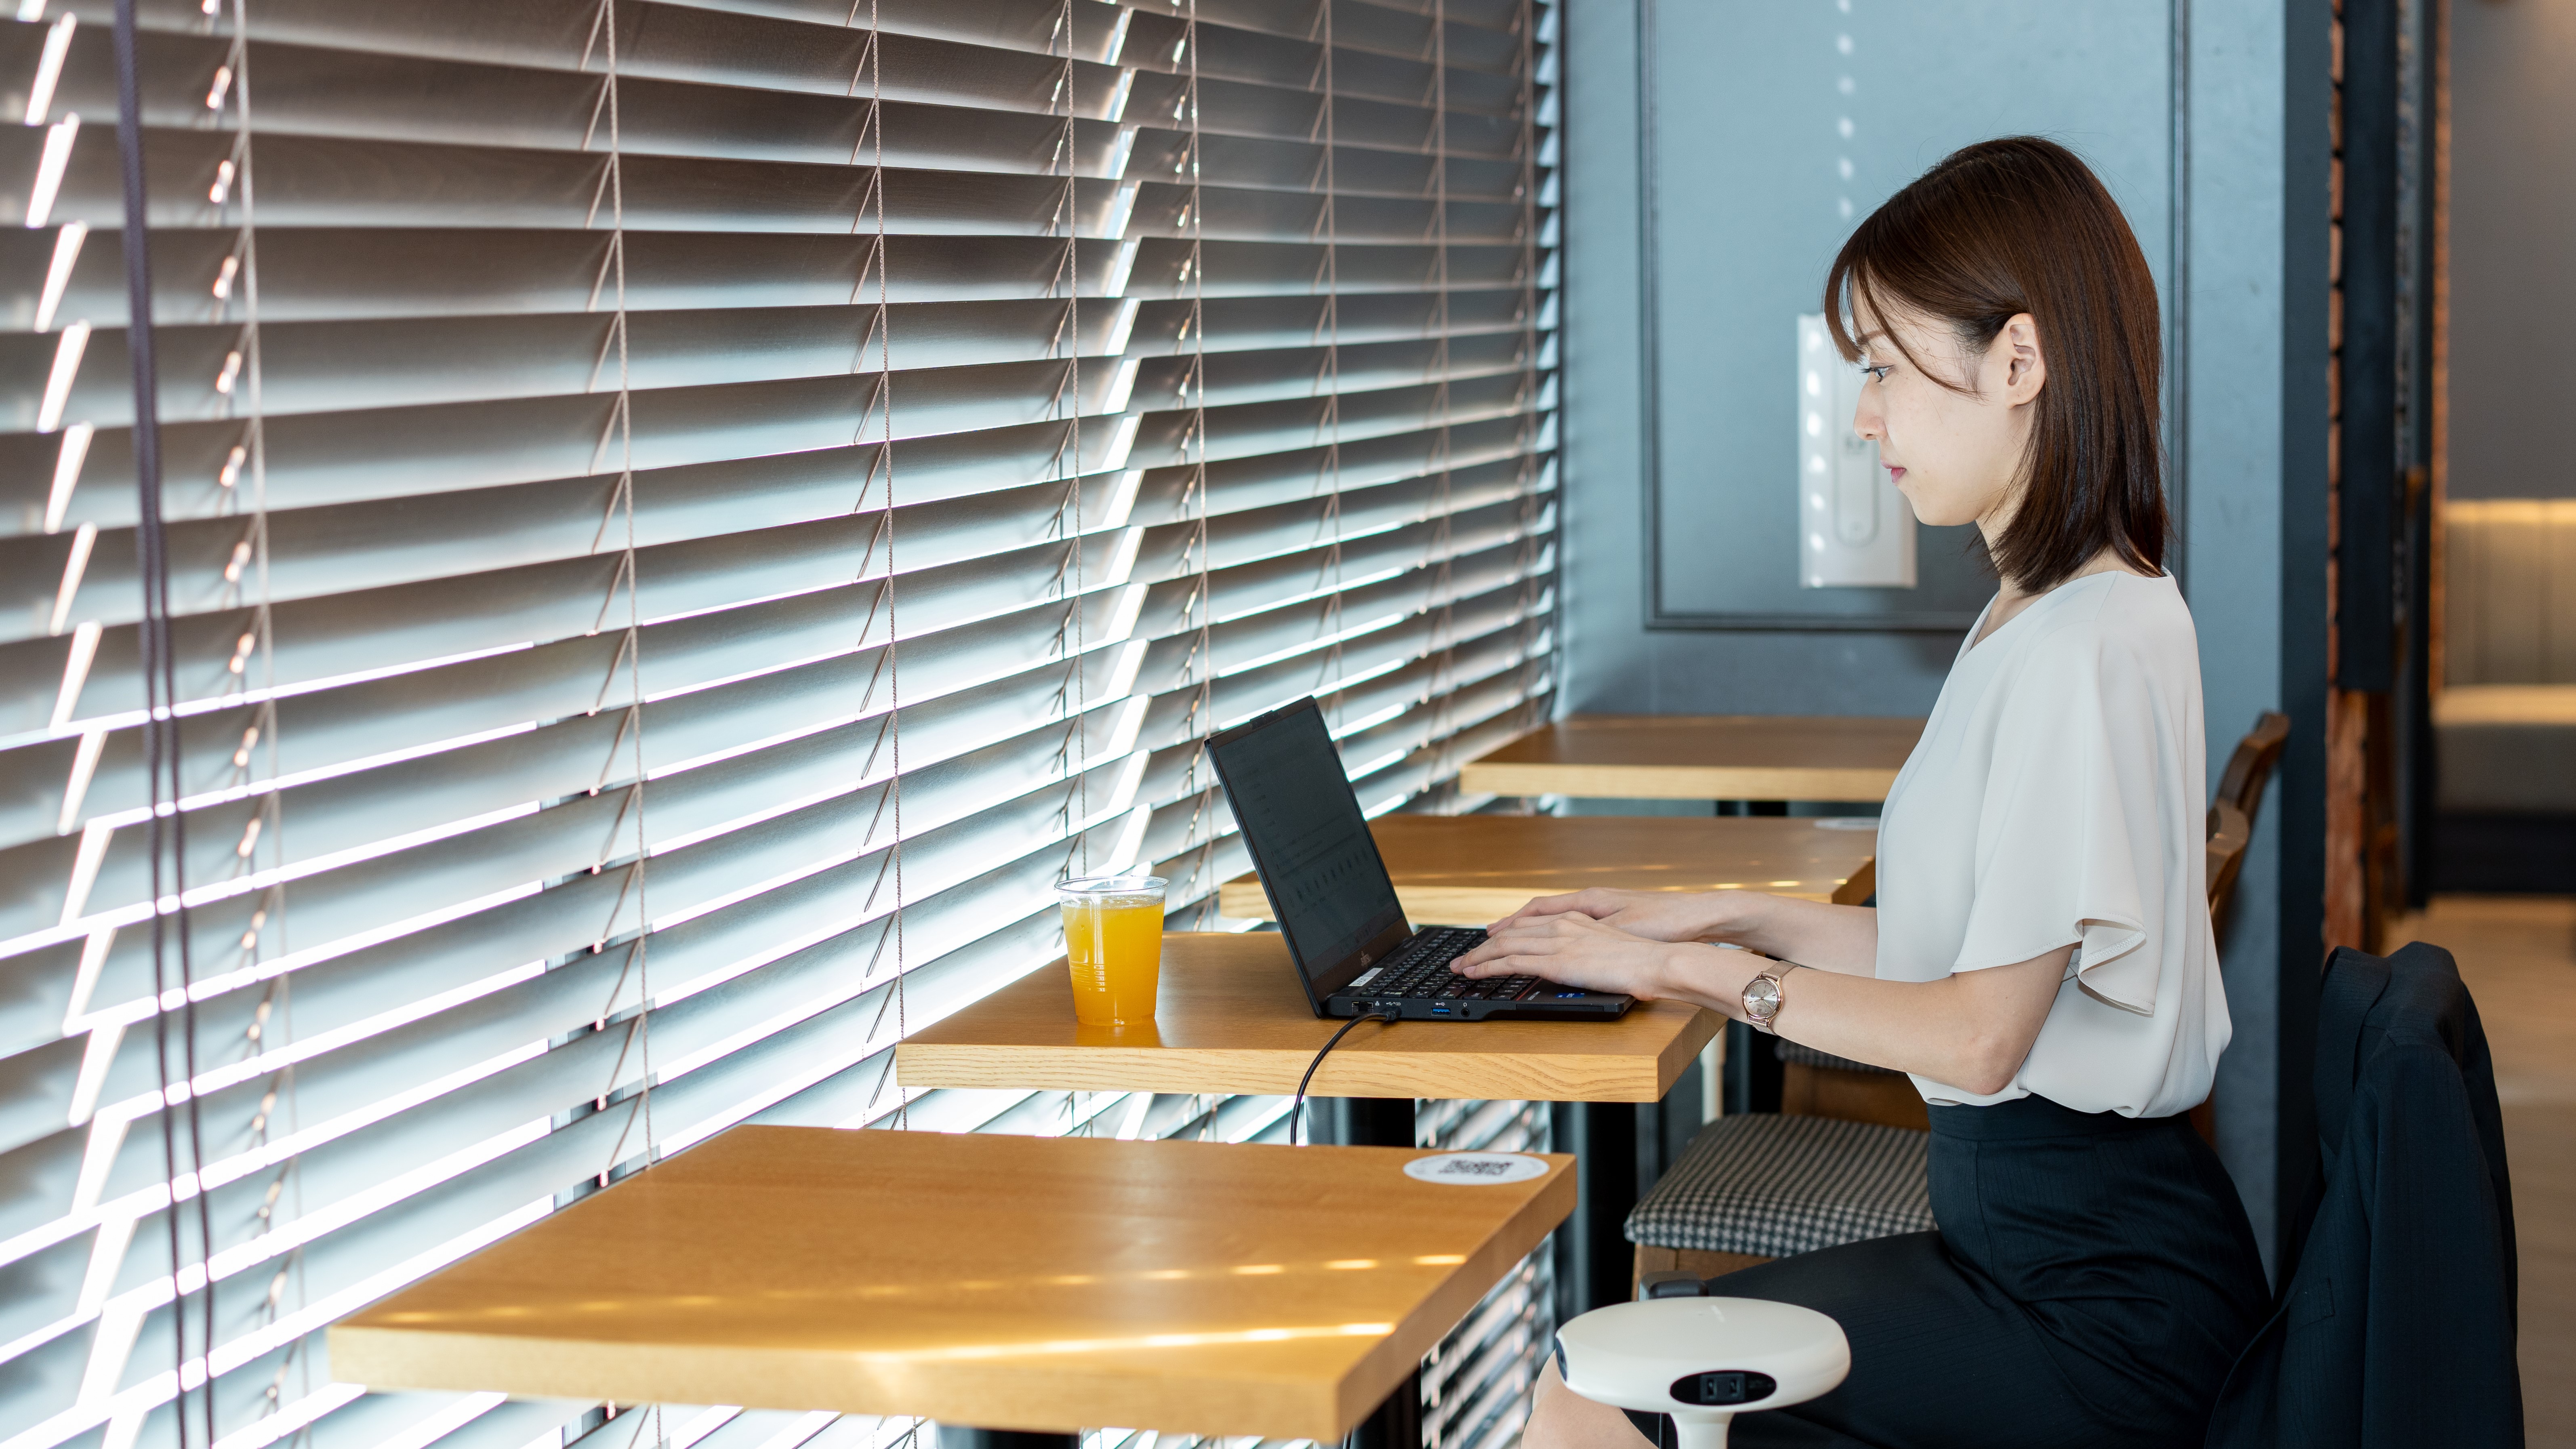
(2025, 369)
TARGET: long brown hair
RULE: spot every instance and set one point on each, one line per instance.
(2022, 225)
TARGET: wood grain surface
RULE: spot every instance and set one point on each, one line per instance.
(1232, 1018)
(997, 1281)
(1470, 870)
(1701, 757)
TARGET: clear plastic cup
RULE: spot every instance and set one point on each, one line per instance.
(1113, 943)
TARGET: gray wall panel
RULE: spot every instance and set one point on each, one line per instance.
(2234, 452)
(1612, 660)
(2513, 211)
(1772, 130)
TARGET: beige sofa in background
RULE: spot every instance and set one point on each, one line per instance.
(2505, 720)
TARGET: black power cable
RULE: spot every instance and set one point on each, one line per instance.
(1296, 1108)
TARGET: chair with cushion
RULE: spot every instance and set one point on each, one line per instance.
(1843, 1159)
(1760, 1186)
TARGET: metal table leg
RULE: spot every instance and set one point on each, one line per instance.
(1379, 1122)
(1364, 1121)
(1621, 1149)
(1753, 1076)
(958, 1436)
(1592, 1254)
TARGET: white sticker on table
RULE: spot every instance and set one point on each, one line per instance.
(1476, 1169)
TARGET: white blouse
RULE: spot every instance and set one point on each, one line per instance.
(2055, 799)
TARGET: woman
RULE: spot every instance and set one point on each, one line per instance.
(2039, 958)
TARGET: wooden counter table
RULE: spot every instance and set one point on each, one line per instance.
(1700, 757)
(1036, 1284)
(1232, 1018)
(1469, 870)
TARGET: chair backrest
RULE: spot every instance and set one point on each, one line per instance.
(2228, 833)
(2250, 768)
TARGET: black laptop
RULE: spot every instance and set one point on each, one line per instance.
(1353, 950)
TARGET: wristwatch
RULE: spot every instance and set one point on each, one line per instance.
(1762, 998)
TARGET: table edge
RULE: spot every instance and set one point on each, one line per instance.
(625, 1369)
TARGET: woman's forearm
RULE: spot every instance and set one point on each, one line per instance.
(1965, 1029)
(1970, 1030)
(1811, 933)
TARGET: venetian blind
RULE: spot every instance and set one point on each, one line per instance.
(680, 519)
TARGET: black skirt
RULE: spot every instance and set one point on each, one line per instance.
(2091, 1280)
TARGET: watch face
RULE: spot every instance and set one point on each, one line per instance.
(1762, 998)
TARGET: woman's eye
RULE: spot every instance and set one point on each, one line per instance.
(1879, 373)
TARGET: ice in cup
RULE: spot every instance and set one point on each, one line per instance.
(1113, 941)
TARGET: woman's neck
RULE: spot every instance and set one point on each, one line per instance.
(2012, 598)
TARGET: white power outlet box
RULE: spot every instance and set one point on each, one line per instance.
(1854, 528)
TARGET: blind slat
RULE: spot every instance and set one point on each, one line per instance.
(311, 91)
(334, 273)
(380, 363)
(317, 181)
(554, 767)
(1403, 29)
(43, 1286)
(321, 552)
(926, 60)
(766, 648)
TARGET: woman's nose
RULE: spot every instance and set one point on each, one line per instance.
(1866, 417)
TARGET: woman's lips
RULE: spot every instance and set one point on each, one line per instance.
(1895, 474)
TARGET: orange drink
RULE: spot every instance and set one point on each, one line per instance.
(1113, 941)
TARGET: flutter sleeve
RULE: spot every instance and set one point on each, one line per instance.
(2070, 839)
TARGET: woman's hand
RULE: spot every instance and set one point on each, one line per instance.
(1652, 915)
(1577, 950)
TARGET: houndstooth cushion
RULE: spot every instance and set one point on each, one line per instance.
(1806, 1056)
(1771, 1185)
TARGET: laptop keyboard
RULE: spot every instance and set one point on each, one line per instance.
(1422, 971)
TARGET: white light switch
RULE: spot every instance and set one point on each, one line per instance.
(1854, 528)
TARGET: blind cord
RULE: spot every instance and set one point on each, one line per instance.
(165, 835)
(1200, 720)
(884, 326)
(1526, 405)
(267, 929)
(1297, 1108)
(890, 733)
(1333, 621)
(631, 649)
(630, 733)
(631, 569)
(1078, 741)
(1440, 566)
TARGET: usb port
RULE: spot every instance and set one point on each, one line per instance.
(1439, 1011)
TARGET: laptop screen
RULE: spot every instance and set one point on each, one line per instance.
(1302, 823)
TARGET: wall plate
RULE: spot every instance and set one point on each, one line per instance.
(1854, 528)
